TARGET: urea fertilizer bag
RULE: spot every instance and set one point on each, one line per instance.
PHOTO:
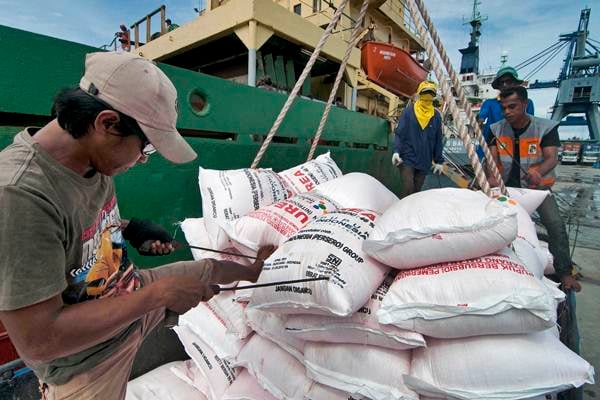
(161, 384)
(274, 224)
(230, 194)
(328, 247)
(442, 225)
(272, 326)
(275, 369)
(196, 234)
(496, 367)
(530, 199)
(370, 371)
(245, 387)
(305, 177)
(188, 372)
(218, 372)
(204, 321)
(494, 294)
(322, 392)
(360, 328)
(358, 190)
(527, 246)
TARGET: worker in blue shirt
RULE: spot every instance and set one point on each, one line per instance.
(491, 109)
(418, 142)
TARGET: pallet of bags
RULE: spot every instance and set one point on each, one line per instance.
(230, 194)
(496, 367)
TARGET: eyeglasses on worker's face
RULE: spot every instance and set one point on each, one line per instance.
(147, 147)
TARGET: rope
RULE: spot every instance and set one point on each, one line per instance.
(492, 167)
(479, 174)
(354, 38)
(298, 86)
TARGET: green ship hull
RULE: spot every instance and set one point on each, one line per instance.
(226, 134)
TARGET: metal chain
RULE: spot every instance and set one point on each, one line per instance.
(299, 83)
(449, 98)
(461, 95)
(355, 34)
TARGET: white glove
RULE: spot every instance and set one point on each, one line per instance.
(437, 169)
(396, 160)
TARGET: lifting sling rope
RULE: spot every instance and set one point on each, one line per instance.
(416, 7)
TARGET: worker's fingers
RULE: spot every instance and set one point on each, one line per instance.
(158, 247)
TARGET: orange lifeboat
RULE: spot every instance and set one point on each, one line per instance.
(392, 68)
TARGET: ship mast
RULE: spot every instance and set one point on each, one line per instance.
(470, 54)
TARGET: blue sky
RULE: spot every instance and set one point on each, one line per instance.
(520, 28)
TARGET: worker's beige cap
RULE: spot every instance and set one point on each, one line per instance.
(138, 88)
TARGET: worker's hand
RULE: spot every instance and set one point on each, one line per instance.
(437, 169)
(396, 160)
(148, 238)
(569, 282)
(534, 178)
(179, 293)
(262, 254)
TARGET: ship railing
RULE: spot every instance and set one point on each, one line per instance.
(162, 10)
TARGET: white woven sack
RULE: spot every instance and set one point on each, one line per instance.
(230, 194)
(527, 246)
(212, 329)
(360, 328)
(549, 268)
(231, 312)
(488, 295)
(272, 327)
(189, 372)
(275, 369)
(274, 224)
(497, 367)
(245, 387)
(530, 199)
(218, 372)
(370, 371)
(322, 392)
(305, 177)
(441, 225)
(161, 384)
(330, 246)
(196, 234)
(358, 190)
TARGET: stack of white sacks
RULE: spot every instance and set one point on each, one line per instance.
(440, 295)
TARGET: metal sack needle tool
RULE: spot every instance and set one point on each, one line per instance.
(147, 246)
(171, 317)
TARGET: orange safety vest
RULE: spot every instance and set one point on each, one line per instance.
(530, 150)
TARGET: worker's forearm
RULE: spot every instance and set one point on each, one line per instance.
(228, 271)
(548, 165)
(80, 326)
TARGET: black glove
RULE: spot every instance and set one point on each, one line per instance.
(140, 231)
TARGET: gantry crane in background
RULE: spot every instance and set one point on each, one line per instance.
(579, 80)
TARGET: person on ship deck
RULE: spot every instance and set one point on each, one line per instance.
(418, 140)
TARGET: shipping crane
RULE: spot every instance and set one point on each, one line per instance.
(578, 82)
